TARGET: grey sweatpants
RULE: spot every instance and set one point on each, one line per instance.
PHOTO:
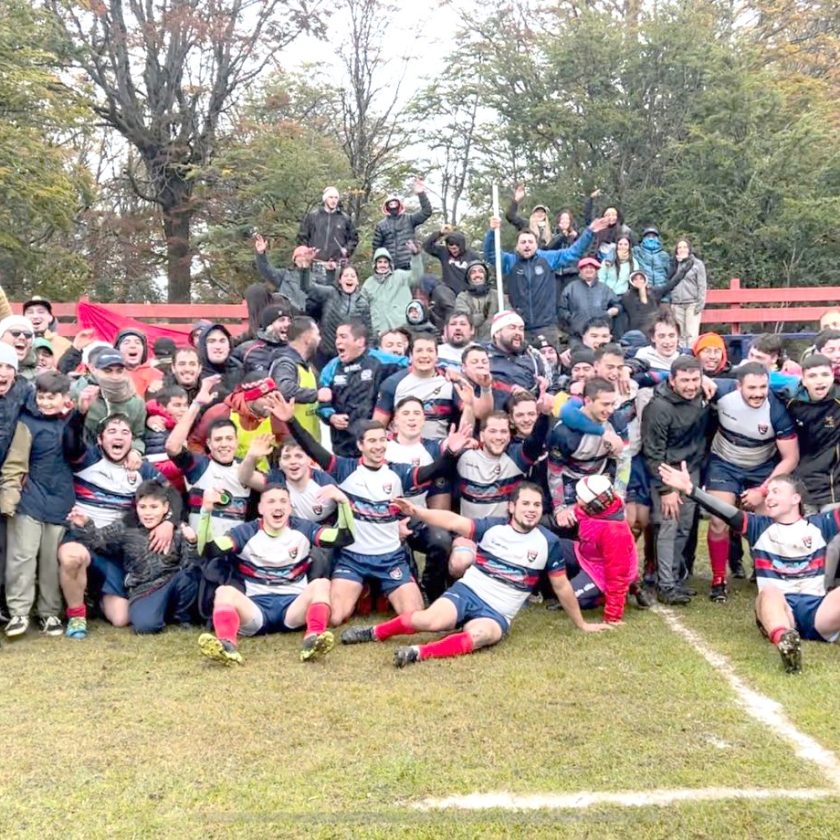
(671, 538)
(32, 550)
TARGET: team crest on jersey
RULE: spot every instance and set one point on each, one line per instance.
(387, 487)
(292, 553)
(317, 509)
(806, 541)
(367, 375)
(415, 462)
(497, 470)
(763, 428)
(829, 422)
(396, 573)
(532, 555)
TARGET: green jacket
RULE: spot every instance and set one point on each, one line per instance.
(389, 294)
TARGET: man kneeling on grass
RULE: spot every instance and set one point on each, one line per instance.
(272, 557)
(789, 554)
(510, 555)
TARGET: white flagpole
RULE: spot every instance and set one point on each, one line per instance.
(498, 240)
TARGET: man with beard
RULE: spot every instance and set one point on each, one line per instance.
(328, 230)
(261, 352)
(510, 555)
(218, 470)
(186, 368)
(458, 333)
(105, 480)
(479, 302)
(134, 348)
(513, 364)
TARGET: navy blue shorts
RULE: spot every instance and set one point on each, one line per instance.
(726, 477)
(391, 570)
(470, 606)
(273, 609)
(638, 485)
(804, 609)
(586, 590)
(106, 577)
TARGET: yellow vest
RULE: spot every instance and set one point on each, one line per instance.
(305, 413)
(245, 436)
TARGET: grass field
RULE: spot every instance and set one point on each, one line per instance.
(131, 736)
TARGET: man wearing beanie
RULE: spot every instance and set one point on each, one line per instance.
(710, 348)
(329, 230)
(18, 333)
(134, 349)
(260, 353)
(512, 362)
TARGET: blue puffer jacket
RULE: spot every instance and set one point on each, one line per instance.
(656, 264)
(47, 493)
(530, 284)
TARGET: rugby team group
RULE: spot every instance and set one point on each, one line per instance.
(481, 455)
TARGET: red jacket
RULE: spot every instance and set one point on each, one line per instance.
(606, 551)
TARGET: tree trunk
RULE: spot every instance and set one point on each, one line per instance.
(176, 228)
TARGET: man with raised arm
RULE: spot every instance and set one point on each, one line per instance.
(789, 553)
(509, 557)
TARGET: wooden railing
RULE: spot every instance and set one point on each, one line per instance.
(731, 308)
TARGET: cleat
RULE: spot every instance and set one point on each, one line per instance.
(406, 655)
(316, 644)
(52, 626)
(644, 600)
(357, 635)
(17, 626)
(718, 593)
(738, 571)
(219, 650)
(76, 628)
(790, 649)
(673, 597)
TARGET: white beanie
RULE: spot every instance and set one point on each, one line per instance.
(328, 191)
(505, 319)
(16, 322)
(8, 355)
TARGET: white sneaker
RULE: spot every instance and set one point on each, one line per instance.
(51, 626)
(17, 626)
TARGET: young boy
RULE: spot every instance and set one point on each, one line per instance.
(167, 407)
(36, 494)
(162, 587)
(271, 555)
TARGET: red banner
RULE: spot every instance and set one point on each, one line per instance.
(108, 324)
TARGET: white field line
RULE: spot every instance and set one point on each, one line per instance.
(764, 709)
(758, 706)
(626, 798)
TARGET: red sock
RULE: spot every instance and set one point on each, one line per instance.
(317, 617)
(226, 623)
(454, 645)
(718, 555)
(399, 626)
(777, 634)
(77, 612)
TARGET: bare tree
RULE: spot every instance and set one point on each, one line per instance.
(165, 72)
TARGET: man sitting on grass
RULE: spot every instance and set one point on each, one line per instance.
(789, 554)
(272, 557)
(509, 557)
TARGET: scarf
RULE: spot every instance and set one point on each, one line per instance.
(119, 391)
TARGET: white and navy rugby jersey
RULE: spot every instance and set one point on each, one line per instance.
(274, 564)
(434, 392)
(305, 504)
(746, 437)
(371, 491)
(791, 557)
(573, 455)
(419, 454)
(105, 490)
(485, 483)
(202, 473)
(508, 564)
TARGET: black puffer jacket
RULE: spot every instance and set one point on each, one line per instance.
(230, 370)
(10, 407)
(329, 233)
(259, 353)
(395, 232)
(674, 430)
(336, 306)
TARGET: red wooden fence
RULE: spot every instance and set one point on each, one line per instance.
(733, 307)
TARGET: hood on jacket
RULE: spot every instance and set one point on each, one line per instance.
(139, 334)
(382, 252)
(472, 287)
(201, 344)
(400, 209)
(416, 313)
(155, 409)
(457, 239)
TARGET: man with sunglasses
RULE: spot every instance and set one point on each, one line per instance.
(18, 333)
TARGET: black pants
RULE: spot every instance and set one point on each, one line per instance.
(436, 544)
(173, 603)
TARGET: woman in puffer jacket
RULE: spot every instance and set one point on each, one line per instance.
(616, 273)
(338, 303)
(689, 296)
(652, 257)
